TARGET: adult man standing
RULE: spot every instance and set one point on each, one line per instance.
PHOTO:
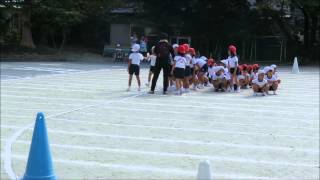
(164, 53)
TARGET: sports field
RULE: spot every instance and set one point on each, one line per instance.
(98, 130)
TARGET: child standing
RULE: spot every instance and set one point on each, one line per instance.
(187, 71)
(134, 65)
(260, 84)
(152, 58)
(233, 67)
(178, 68)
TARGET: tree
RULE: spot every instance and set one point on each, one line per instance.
(53, 16)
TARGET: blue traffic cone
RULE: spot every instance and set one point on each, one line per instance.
(39, 164)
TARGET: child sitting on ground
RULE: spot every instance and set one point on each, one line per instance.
(260, 84)
(271, 79)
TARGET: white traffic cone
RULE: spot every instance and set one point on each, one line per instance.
(295, 67)
(204, 171)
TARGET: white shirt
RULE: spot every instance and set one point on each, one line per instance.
(136, 58)
(152, 59)
(211, 70)
(276, 75)
(215, 76)
(189, 59)
(193, 62)
(259, 83)
(227, 74)
(232, 61)
(272, 79)
(200, 62)
(242, 76)
(180, 62)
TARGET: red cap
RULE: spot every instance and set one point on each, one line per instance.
(240, 67)
(186, 46)
(192, 51)
(182, 49)
(210, 62)
(232, 49)
(249, 67)
(244, 66)
(255, 66)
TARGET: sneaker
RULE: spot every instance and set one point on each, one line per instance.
(275, 93)
(207, 85)
(264, 94)
(165, 92)
(139, 89)
(129, 88)
(255, 94)
(187, 90)
(267, 93)
(216, 90)
(148, 84)
(151, 92)
(182, 90)
(200, 86)
(172, 88)
(238, 90)
(177, 93)
(228, 89)
(194, 88)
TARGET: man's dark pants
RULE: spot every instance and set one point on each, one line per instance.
(161, 64)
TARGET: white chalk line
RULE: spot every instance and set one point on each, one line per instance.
(204, 107)
(12, 81)
(222, 114)
(75, 82)
(12, 139)
(184, 120)
(144, 168)
(228, 117)
(165, 140)
(191, 129)
(206, 101)
(214, 104)
(95, 88)
(176, 155)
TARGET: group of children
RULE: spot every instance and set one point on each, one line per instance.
(191, 72)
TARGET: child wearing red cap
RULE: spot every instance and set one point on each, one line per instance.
(187, 71)
(233, 67)
(178, 68)
(244, 77)
(211, 68)
(254, 75)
